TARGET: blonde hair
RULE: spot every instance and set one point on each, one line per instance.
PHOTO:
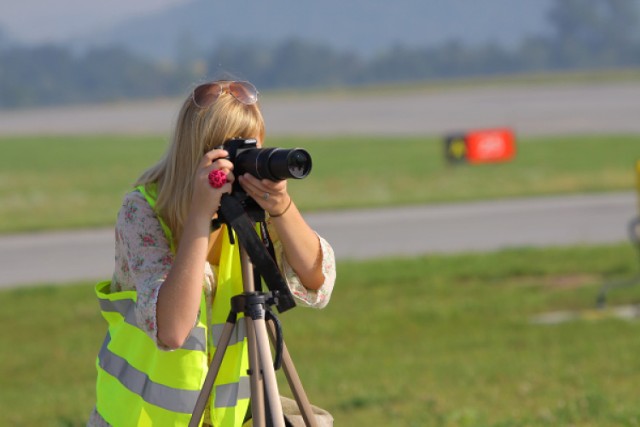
(197, 131)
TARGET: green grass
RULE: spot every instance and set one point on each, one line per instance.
(69, 182)
(64, 182)
(428, 341)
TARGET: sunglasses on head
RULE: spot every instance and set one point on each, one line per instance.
(207, 93)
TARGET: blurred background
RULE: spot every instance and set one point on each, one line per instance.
(473, 289)
(77, 52)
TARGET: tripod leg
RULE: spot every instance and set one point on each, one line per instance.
(257, 384)
(214, 368)
(257, 330)
(295, 384)
(271, 384)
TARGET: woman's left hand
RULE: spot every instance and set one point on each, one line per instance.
(272, 196)
(300, 243)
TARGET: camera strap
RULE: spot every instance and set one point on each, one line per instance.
(266, 239)
(235, 216)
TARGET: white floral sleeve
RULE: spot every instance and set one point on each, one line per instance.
(143, 258)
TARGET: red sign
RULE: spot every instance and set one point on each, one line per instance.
(490, 145)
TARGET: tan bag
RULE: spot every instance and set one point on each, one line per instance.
(294, 417)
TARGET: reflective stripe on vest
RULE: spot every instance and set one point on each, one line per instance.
(134, 374)
(140, 385)
(126, 308)
(160, 395)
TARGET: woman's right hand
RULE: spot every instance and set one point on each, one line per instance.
(206, 199)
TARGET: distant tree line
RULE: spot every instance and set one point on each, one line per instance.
(586, 35)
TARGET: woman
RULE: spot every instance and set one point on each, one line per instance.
(174, 277)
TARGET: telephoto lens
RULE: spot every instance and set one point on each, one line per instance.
(275, 164)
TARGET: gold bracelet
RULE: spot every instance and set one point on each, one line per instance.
(284, 211)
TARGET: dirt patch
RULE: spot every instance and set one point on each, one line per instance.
(571, 281)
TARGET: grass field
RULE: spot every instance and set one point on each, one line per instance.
(428, 341)
(68, 182)
(446, 341)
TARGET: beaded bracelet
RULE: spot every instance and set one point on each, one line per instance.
(284, 211)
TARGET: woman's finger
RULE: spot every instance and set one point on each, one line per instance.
(213, 155)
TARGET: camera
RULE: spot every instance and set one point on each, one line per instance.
(274, 164)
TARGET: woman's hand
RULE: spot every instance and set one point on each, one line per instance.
(272, 196)
(300, 243)
(206, 199)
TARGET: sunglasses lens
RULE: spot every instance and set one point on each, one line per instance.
(244, 92)
(205, 95)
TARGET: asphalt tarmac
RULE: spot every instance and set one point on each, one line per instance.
(63, 257)
(553, 109)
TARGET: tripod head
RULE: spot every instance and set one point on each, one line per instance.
(241, 213)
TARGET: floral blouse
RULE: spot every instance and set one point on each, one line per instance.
(143, 259)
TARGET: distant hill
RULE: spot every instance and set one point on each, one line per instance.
(361, 26)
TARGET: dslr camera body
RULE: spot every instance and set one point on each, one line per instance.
(274, 164)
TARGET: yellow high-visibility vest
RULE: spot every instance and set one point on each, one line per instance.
(141, 385)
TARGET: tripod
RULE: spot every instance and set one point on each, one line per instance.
(266, 409)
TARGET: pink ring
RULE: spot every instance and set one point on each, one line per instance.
(217, 178)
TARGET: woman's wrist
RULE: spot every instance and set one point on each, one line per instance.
(284, 211)
(197, 220)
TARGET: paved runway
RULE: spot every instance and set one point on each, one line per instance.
(550, 109)
(62, 257)
(528, 109)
